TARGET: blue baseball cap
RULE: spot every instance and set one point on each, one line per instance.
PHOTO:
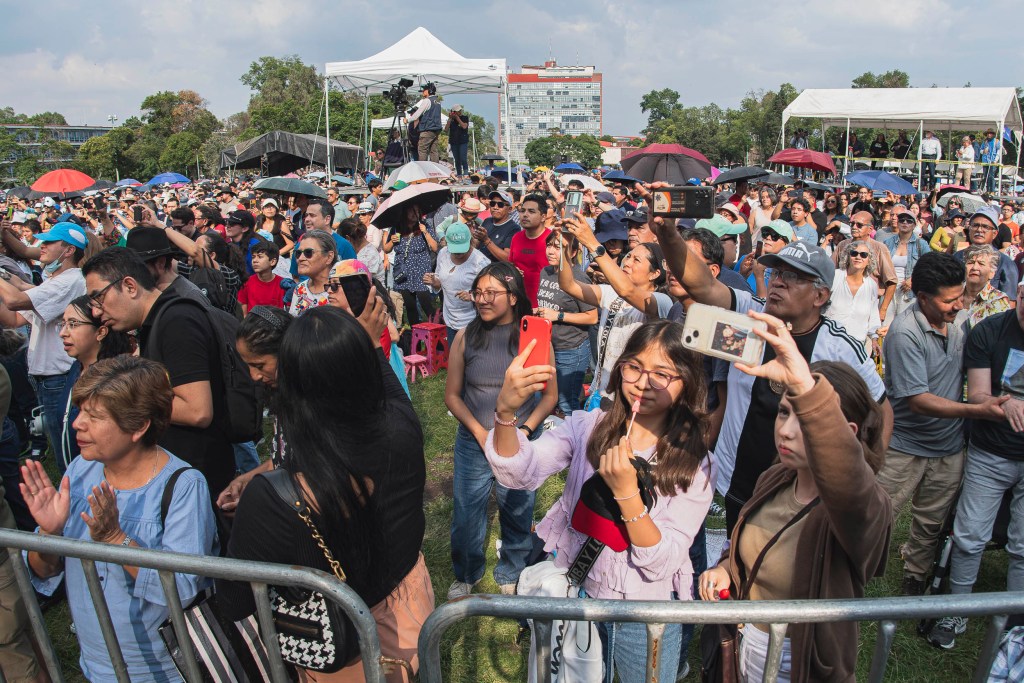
(611, 225)
(65, 232)
(693, 181)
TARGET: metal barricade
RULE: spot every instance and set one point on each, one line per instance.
(778, 614)
(258, 574)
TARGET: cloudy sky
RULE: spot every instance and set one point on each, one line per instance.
(89, 60)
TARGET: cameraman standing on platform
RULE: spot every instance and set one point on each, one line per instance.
(427, 120)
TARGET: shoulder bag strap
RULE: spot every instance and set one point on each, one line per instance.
(746, 583)
(613, 311)
(165, 501)
(284, 487)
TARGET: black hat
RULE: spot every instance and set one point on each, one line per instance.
(225, 189)
(150, 243)
(243, 218)
(637, 215)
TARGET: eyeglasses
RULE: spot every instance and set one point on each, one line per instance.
(790, 277)
(486, 296)
(767, 234)
(307, 253)
(72, 324)
(982, 226)
(656, 379)
(497, 205)
(860, 254)
(97, 298)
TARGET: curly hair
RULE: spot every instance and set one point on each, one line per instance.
(844, 257)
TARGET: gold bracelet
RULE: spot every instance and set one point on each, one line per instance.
(633, 495)
(637, 518)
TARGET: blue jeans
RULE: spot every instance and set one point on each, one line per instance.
(472, 484)
(451, 335)
(459, 152)
(246, 458)
(988, 180)
(10, 449)
(52, 394)
(625, 651)
(570, 367)
(699, 560)
(927, 174)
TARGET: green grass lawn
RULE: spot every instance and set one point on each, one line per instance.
(484, 650)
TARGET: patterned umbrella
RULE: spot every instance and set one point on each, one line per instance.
(417, 172)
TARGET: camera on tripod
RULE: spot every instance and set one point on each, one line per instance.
(398, 93)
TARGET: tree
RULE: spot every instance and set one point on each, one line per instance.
(890, 79)
(584, 150)
(286, 95)
(97, 157)
(658, 105)
(47, 118)
(761, 116)
(181, 152)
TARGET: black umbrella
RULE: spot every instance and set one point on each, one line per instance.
(734, 175)
(290, 186)
(21, 191)
(429, 196)
(491, 157)
(101, 185)
(777, 179)
(671, 163)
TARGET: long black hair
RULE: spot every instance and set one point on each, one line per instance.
(227, 253)
(509, 277)
(331, 405)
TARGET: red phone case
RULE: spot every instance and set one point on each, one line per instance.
(531, 327)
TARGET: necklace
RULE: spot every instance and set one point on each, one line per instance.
(152, 473)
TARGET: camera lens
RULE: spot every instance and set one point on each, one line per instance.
(696, 333)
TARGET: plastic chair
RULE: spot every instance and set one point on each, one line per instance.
(415, 362)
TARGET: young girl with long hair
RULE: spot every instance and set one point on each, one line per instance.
(476, 365)
(665, 382)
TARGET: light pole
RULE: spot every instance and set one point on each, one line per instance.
(111, 119)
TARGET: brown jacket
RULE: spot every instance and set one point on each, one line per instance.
(844, 541)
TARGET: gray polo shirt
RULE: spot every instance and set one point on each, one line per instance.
(920, 360)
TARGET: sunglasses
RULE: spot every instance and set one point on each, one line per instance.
(906, 218)
(767, 234)
(497, 205)
(332, 287)
(307, 253)
(859, 254)
(860, 225)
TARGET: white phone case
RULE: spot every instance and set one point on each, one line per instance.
(723, 334)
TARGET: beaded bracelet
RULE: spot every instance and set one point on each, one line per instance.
(637, 518)
(503, 423)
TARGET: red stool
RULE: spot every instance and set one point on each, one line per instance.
(413, 363)
(431, 340)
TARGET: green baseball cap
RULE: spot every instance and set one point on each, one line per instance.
(459, 238)
(721, 226)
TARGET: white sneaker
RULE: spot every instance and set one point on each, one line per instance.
(460, 589)
(508, 588)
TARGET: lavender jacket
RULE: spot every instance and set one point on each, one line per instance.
(636, 573)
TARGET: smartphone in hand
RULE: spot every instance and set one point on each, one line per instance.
(532, 328)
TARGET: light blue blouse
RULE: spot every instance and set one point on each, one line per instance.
(137, 606)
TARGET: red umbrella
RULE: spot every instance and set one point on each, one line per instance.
(670, 163)
(62, 180)
(804, 158)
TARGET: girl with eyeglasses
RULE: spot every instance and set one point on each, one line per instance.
(665, 381)
(855, 294)
(477, 362)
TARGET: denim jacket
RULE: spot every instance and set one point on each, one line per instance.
(915, 249)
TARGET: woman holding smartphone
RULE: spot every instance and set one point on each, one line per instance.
(661, 384)
(477, 362)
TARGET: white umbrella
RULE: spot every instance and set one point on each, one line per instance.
(417, 172)
(970, 202)
(588, 182)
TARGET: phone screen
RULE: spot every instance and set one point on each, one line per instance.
(10, 212)
(357, 290)
(573, 203)
(136, 213)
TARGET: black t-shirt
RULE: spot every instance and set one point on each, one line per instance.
(997, 343)
(501, 235)
(186, 344)
(266, 529)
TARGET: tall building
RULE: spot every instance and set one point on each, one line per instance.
(542, 99)
(31, 138)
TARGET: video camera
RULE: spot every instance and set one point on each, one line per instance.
(398, 93)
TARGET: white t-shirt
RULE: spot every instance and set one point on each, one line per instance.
(624, 323)
(458, 278)
(46, 354)
(858, 313)
(754, 433)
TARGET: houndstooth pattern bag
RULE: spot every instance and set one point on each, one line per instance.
(312, 631)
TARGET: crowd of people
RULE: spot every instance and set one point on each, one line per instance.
(892, 374)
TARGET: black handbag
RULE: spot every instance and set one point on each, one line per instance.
(313, 632)
(720, 643)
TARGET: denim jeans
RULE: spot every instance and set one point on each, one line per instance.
(699, 560)
(927, 174)
(625, 651)
(472, 484)
(986, 478)
(451, 335)
(246, 458)
(10, 449)
(52, 394)
(570, 367)
(459, 151)
(988, 180)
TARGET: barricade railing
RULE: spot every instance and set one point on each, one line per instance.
(778, 614)
(258, 574)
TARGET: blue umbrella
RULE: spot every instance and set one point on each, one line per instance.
(343, 179)
(128, 181)
(571, 167)
(881, 181)
(168, 178)
(620, 177)
(503, 172)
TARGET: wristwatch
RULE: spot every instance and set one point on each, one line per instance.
(600, 251)
(561, 316)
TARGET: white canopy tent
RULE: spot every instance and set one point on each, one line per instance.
(936, 109)
(422, 58)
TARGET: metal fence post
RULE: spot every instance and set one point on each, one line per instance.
(99, 601)
(655, 634)
(773, 658)
(989, 647)
(542, 644)
(192, 673)
(267, 630)
(883, 645)
(35, 616)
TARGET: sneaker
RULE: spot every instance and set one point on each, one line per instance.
(683, 672)
(36, 454)
(460, 589)
(716, 510)
(943, 634)
(497, 548)
(912, 586)
(508, 588)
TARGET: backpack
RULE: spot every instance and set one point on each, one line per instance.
(243, 419)
(211, 283)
